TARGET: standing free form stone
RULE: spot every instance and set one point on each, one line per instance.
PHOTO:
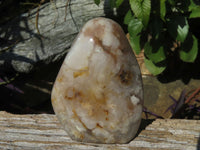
(98, 95)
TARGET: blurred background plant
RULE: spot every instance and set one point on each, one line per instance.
(187, 106)
(163, 29)
(4, 81)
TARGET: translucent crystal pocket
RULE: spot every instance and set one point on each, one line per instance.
(98, 95)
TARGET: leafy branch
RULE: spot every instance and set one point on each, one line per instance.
(156, 26)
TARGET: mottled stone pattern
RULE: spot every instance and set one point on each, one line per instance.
(98, 93)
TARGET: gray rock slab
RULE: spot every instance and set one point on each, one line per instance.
(44, 36)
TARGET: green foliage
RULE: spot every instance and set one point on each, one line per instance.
(118, 3)
(114, 3)
(141, 9)
(134, 28)
(189, 49)
(178, 27)
(128, 17)
(194, 9)
(155, 69)
(97, 2)
(157, 25)
(155, 52)
(162, 9)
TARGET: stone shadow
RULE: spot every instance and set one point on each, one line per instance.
(144, 123)
(198, 143)
(12, 32)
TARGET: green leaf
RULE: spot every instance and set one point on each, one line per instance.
(128, 17)
(134, 27)
(135, 43)
(118, 3)
(155, 52)
(178, 28)
(195, 13)
(154, 68)
(194, 9)
(141, 9)
(182, 31)
(172, 2)
(193, 5)
(162, 9)
(189, 49)
(97, 2)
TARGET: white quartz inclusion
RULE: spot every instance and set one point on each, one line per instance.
(98, 95)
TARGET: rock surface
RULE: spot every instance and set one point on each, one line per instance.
(44, 36)
(98, 93)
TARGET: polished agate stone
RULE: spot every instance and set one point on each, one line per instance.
(98, 95)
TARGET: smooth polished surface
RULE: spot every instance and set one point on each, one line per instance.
(98, 95)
